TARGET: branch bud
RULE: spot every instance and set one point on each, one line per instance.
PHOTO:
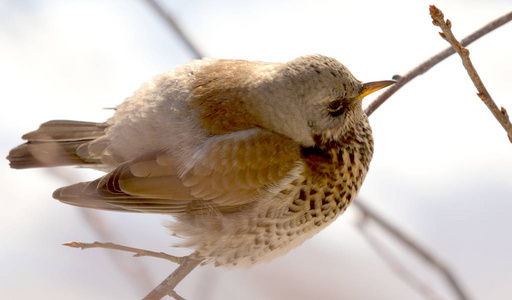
(504, 112)
(436, 13)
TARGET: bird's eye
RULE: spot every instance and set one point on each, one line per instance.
(334, 105)
(336, 108)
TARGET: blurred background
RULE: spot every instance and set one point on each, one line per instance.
(441, 171)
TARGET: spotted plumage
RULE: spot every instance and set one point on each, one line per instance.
(249, 158)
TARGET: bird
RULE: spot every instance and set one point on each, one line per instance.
(250, 159)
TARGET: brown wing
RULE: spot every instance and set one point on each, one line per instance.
(226, 175)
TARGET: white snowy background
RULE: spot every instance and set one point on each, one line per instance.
(441, 171)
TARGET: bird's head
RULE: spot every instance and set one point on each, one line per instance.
(312, 99)
(315, 100)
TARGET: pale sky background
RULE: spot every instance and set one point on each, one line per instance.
(441, 170)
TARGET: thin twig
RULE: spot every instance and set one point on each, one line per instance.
(394, 263)
(447, 34)
(412, 245)
(428, 64)
(166, 287)
(138, 252)
(169, 20)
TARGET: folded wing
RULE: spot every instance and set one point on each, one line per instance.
(224, 175)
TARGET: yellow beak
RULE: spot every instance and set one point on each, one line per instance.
(374, 86)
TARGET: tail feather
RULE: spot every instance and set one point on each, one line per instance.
(55, 143)
(66, 131)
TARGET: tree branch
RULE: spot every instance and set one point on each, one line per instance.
(447, 34)
(414, 247)
(138, 252)
(393, 262)
(166, 287)
(434, 60)
(174, 26)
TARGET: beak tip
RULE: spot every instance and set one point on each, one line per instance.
(371, 87)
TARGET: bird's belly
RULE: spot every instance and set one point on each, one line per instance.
(275, 226)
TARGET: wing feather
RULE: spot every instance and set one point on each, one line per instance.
(228, 173)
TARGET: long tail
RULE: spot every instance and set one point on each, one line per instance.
(55, 143)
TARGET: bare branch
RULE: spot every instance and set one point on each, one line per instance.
(167, 286)
(438, 20)
(169, 20)
(395, 263)
(138, 252)
(434, 60)
(414, 247)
